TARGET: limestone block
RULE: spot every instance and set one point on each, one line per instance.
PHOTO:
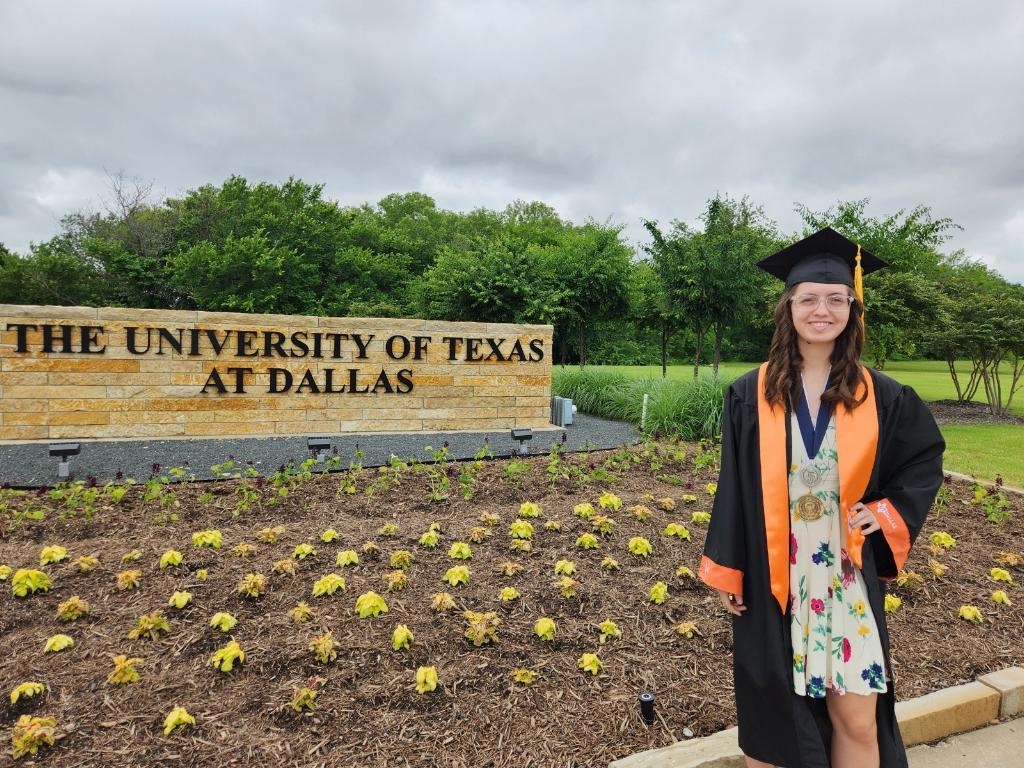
(233, 429)
(942, 713)
(244, 321)
(139, 317)
(78, 417)
(46, 314)
(720, 750)
(149, 429)
(156, 417)
(25, 433)
(29, 378)
(55, 392)
(1009, 683)
(28, 418)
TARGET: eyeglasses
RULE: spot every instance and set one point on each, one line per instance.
(836, 302)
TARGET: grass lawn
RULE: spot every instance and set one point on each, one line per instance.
(986, 450)
(982, 450)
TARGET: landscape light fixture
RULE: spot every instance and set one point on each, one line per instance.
(647, 707)
(318, 446)
(62, 451)
(521, 435)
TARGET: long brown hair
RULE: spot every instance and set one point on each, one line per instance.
(782, 379)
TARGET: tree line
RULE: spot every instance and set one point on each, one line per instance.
(689, 294)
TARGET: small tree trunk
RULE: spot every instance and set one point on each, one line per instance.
(664, 350)
(696, 355)
(583, 352)
(718, 349)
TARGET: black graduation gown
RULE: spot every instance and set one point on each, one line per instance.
(775, 724)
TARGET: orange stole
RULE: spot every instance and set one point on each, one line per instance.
(856, 444)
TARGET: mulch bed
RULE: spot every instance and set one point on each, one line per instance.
(956, 412)
(368, 712)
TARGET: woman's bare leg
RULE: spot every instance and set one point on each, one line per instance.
(755, 763)
(854, 731)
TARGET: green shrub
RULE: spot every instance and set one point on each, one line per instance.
(689, 409)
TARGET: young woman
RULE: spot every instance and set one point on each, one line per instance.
(828, 471)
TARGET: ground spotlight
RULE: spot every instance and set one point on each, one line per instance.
(63, 451)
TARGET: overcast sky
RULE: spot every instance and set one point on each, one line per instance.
(611, 110)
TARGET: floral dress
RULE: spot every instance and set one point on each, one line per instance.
(835, 637)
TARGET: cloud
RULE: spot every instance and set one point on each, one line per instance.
(602, 109)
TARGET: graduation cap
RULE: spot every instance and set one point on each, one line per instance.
(824, 257)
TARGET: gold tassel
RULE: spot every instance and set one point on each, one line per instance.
(858, 283)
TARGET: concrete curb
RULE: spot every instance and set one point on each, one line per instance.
(987, 483)
(927, 718)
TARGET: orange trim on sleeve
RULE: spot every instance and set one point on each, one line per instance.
(897, 535)
(771, 431)
(856, 444)
(720, 577)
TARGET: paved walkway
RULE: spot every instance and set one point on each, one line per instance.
(996, 746)
(29, 464)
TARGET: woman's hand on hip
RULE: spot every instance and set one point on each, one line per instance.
(862, 517)
(733, 603)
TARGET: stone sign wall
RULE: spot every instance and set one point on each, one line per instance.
(84, 372)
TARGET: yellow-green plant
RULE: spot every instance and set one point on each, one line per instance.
(328, 584)
(686, 629)
(180, 599)
(545, 629)
(678, 530)
(347, 557)
(523, 675)
(520, 545)
(302, 551)
(243, 549)
(58, 643)
(481, 628)
(124, 672)
(223, 621)
(252, 585)
(442, 601)
(938, 569)
(668, 503)
(460, 551)
(300, 613)
(602, 524)
(177, 718)
(565, 568)
(1011, 559)
(479, 533)
(53, 553)
(323, 648)
(401, 638)
(552, 525)
(370, 604)
(72, 609)
(1000, 596)
(329, 535)
(430, 539)
(658, 593)
(150, 625)
(456, 575)
(521, 529)
(685, 573)
(567, 586)
(508, 594)
(304, 698)
(509, 568)
(172, 558)
(700, 518)
(129, 579)
(26, 581)
(402, 559)
(209, 538)
(389, 530)
(224, 658)
(589, 662)
(689, 498)
(285, 566)
(892, 603)
(641, 513)
(271, 535)
(1001, 574)
(584, 510)
(529, 509)
(608, 629)
(27, 690)
(370, 550)
(942, 540)
(610, 501)
(5, 572)
(639, 547)
(32, 733)
(135, 554)
(489, 518)
(396, 581)
(202, 574)
(87, 563)
(610, 564)
(711, 488)
(587, 541)
(426, 679)
(971, 613)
